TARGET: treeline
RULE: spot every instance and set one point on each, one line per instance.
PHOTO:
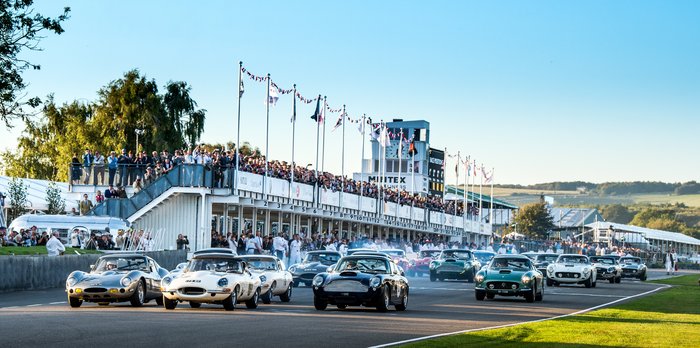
(615, 188)
(675, 218)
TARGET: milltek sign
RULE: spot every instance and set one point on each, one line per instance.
(402, 182)
(387, 179)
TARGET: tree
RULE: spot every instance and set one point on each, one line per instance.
(57, 204)
(617, 213)
(20, 30)
(534, 220)
(182, 114)
(17, 191)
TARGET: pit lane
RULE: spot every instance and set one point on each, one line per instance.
(43, 318)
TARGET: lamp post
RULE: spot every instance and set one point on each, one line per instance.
(138, 132)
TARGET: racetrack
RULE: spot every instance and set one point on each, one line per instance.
(43, 318)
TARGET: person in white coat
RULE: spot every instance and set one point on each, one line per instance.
(295, 250)
(54, 247)
(670, 262)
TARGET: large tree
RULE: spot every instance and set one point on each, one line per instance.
(21, 29)
(534, 220)
(182, 113)
(617, 213)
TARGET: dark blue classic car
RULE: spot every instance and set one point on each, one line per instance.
(362, 280)
(314, 263)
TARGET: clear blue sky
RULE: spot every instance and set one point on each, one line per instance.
(540, 90)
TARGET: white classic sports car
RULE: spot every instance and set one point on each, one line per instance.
(276, 281)
(213, 278)
(571, 269)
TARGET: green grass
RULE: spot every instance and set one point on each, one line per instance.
(670, 318)
(40, 250)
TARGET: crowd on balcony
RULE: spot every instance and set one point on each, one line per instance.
(140, 169)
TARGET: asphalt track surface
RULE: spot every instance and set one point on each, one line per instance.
(44, 319)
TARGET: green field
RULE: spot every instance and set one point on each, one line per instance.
(670, 318)
(41, 250)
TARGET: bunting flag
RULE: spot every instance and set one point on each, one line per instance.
(241, 89)
(361, 127)
(412, 148)
(474, 167)
(294, 112)
(274, 97)
(317, 116)
(375, 133)
(338, 123)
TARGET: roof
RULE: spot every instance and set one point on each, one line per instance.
(574, 217)
(36, 193)
(648, 233)
(458, 193)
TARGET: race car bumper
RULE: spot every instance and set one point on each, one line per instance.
(369, 298)
(93, 293)
(197, 294)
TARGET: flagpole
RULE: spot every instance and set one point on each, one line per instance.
(294, 125)
(323, 146)
(362, 163)
(491, 210)
(316, 189)
(382, 167)
(444, 187)
(342, 163)
(481, 202)
(267, 137)
(459, 159)
(398, 200)
(466, 187)
(238, 127)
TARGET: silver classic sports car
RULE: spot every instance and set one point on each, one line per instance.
(117, 278)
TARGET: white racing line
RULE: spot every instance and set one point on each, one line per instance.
(662, 286)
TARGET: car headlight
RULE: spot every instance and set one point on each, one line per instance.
(611, 269)
(318, 280)
(70, 282)
(167, 280)
(412, 262)
(293, 269)
(432, 265)
(586, 271)
(375, 282)
(550, 269)
(222, 282)
(263, 278)
(525, 279)
(479, 278)
(126, 281)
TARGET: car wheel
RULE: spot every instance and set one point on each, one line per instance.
(267, 297)
(549, 282)
(618, 280)
(539, 296)
(320, 304)
(594, 283)
(137, 299)
(530, 296)
(103, 303)
(643, 277)
(557, 284)
(470, 277)
(341, 306)
(230, 302)
(433, 277)
(384, 301)
(75, 302)
(612, 280)
(588, 283)
(287, 296)
(490, 296)
(404, 302)
(295, 284)
(480, 295)
(168, 303)
(195, 304)
(253, 302)
(159, 300)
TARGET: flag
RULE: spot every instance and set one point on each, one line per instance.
(412, 148)
(317, 116)
(241, 89)
(272, 99)
(338, 123)
(456, 170)
(361, 126)
(474, 167)
(294, 112)
(384, 137)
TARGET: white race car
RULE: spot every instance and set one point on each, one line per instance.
(571, 269)
(213, 278)
(276, 281)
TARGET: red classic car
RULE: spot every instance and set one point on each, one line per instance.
(419, 266)
(398, 256)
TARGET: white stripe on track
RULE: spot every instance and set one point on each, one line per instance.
(520, 323)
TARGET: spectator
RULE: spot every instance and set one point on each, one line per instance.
(110, 192)
(43, 239)
(137, 185)
(87, 164)
(120, 240)
(99, 198)
(85, 205)
(75, 241)
(98, 164)
(54, 247)
(75, 170)
(182, 242)
(112, 165)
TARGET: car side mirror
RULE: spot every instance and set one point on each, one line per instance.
(92, 267)
(244, 266)
(403, 274)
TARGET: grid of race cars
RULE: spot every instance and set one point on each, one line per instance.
(361, 277)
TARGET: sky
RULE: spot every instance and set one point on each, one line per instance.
(538, 90)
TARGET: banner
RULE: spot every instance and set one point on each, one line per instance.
(329, 197)
(250, 182)
(278, 187)
(368, 204)
(350, 201)
(419, 214)
(302, 192)
(405, 211)
(390, 208)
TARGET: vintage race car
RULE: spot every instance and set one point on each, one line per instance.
(608, 268)
(421, 265)
(314, 263)
(483, 256)
(398, 256)
(571, 269)
(633, 267)
(509, 275)
(454, 264)
(362, 280)
(276, 281)
(213, 278)
(542, 261)
(117, 278)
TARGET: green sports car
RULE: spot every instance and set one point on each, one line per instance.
(454, 264)
(509, 275)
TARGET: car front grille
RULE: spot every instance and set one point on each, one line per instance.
(629, 271)
(568, 275)
(92, 290)
(346, 286)
(308, 276)
(192, 291)
(503, 285)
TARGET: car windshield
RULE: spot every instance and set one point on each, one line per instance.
(325, 259)
(572, 259)
(456, 254)
(119, 264)
(484, 257)
(510, 263)
(364, 265)
(547, 258)
(215, 265)
(262, 264)
(430, 253)
(603, 260)
(630, 260)
(399, 253)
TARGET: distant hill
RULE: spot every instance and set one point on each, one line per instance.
(612, 188)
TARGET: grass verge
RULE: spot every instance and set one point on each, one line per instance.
(670, 318)
(40, 250)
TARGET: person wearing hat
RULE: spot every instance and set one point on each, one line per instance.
(54, 246)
